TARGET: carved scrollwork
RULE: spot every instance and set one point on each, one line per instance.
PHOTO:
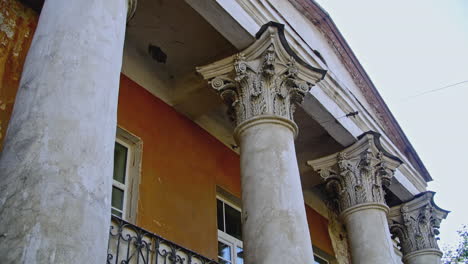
(357, 174)
(416, 223)
(226, 88)
(266, 79)
(273, 88)
(358, 179)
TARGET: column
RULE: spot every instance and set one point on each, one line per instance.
(261, 87)
(56, 165)
(355, 177)
(416, 225)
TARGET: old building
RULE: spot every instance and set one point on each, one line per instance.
(234, 130)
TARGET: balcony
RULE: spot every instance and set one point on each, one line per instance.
(131, 244)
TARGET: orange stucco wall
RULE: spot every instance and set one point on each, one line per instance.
(181, 166)
(17, 26)
(318, 228)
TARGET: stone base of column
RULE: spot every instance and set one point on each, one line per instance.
(424, 256)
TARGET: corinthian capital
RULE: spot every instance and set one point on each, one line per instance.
(357, 174)
(266, 79)
(416, 223)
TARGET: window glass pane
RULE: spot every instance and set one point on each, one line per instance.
(219, 209)
(224, 251)
(117, 198)
(120, 162)
(240, 255)
(233, 222)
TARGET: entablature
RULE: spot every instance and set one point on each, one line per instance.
(339, 93)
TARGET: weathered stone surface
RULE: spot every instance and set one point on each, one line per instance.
(266, 79)
(355, 177)
(273, 205)
(357, 174)
(416, 224)
(56, 165)
(339, 238)
(369, 237)
(261, 86)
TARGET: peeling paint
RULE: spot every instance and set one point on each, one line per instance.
(17, 26)
(339, 239)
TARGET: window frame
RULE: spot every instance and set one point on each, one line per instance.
(124, 186)
(134, 147)
(321, 258)
(233, 242)
(224, 237)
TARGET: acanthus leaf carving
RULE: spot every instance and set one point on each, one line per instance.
(266, 79)
(357, 174)
(416, 223)
(267, 90)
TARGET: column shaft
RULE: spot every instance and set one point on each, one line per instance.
(56, 166)
(368, 234)
(262, 87)
(275, 228)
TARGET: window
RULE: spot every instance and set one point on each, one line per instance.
(321, 257)
(229, 233)
(319, 260)
(127, 156)
(120, 180)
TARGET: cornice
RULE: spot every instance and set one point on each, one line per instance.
(336, 91)
(365, 122)
(320, 18)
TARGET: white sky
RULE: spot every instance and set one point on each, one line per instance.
(408, 47)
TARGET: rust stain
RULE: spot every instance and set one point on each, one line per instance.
(17, 26)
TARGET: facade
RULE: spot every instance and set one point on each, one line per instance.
(233, 130)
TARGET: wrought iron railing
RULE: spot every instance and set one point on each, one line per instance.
(131, 244)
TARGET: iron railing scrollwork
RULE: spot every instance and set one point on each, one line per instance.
(130, 244)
